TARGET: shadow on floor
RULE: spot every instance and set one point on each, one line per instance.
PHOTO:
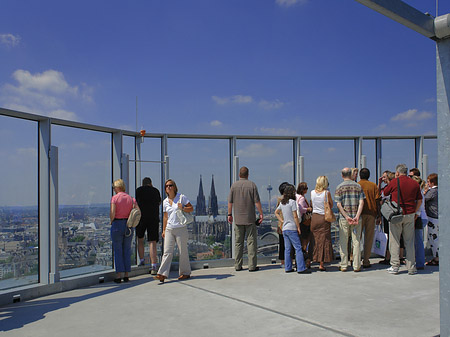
(17, 315)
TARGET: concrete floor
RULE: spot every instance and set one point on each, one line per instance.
(222, 302)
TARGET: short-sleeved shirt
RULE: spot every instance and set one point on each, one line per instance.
(172, 220)
(373, 197)
(148, 199)
(288, 217)
(124, 204)
(243, 195)
(348, 194)
(410, 191)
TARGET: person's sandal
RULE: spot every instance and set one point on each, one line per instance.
(184, 277)
(432, 263)
(160, 277)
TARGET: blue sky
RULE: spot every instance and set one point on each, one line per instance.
(266, 67)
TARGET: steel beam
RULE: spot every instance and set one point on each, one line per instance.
(405, 14)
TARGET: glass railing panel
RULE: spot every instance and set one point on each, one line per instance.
(84, 197)
(270, 163)
(151, 167)
(129, 148)
(370, 152)
(190, 160)
(19, 235)
(397, 151)
(430, 149)
(327, 158)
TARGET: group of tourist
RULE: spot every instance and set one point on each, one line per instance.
(304, 227)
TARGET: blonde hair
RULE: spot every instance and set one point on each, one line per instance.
(120, 184)
(175, 188)
(321, 183)
(419, 181)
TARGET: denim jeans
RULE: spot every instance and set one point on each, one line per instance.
(291, 238)
(418, 246)
(121, 245)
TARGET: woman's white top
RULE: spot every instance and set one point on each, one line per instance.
(171, 210)
(288, 216)
(318, 201)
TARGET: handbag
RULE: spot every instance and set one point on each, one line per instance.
(185, 218)
(306, 217)
(379, 244)
(329, 215)
(134, 217)
(391, 210)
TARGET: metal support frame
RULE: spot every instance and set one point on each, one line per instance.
(378, 157)
(54, 216)
(44, 143)
(439, 30)
(418, 153)
(234, 176)
(138, 160)
(298, 162)
(125, 169)
(358, 152)
(117, 145)
(443, 126)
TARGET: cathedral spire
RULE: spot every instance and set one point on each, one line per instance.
(200, 208)
(213, 207)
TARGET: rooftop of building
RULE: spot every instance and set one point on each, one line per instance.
(221, 301)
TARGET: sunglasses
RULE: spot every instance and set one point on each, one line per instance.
(169, 186)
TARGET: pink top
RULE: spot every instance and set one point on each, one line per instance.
(124, 204)
(302, 204)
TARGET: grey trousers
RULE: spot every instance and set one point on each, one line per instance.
(180, 236)
(240, 232)
(406, 227)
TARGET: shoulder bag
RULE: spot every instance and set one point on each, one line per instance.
(329, 215)
(134, 217)
(391, 210)
(185, 218)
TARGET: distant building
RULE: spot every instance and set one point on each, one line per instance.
(200, 208)
(213, 207)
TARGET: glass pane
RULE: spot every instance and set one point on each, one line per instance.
(19, 236)
(397, 151)
(430, 149)
(84, 197)
(270, 162)
(327, 158)
(192, 161)
(151, 168)
(370, 153)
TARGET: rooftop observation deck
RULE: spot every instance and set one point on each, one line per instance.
(223, 302)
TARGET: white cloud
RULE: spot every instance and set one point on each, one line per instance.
(256, 150)
(216, 123)
(271, 105)
(9, 40)
(287, 166)
(430, 100)
(275, 131)
(289, 3)
(412, 115)
(331, 149)
(45, 93)
(236, 99)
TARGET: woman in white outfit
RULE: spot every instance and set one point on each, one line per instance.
(174, 231)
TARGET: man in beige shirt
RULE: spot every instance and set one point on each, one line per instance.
(242, 200)
(369, 213)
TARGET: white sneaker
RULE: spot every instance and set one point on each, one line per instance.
(412, 272)
(392, 270)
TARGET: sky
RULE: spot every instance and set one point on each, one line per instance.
(253, 67)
